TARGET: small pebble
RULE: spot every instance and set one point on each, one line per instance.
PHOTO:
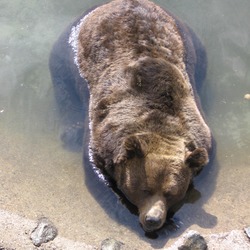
(194, 242)
(111, 244)
(247, 96)
(44, 232)
(247, 231)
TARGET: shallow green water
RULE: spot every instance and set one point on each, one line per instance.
(31, 151)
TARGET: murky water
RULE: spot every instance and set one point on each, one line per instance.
(39, 177)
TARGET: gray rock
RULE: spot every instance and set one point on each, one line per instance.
(247, 231)
(194, 242)
(111, 244)
(3, 248)
(44, 232)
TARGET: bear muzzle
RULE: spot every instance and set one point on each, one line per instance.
(153, 222)
(154, 217)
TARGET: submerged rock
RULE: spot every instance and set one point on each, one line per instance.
(247, 96)
(111, 244)
(194, 242)
(44, 232)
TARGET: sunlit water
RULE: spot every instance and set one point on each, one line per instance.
(38, 177)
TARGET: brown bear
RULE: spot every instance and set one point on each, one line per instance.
(142, 68)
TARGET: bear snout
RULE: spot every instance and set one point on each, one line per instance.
(154, 217)
(153, 222)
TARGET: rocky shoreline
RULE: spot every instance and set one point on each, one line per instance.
(17, 232)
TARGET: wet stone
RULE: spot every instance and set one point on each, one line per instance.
(247, 96)
(247, 231)
(111, 244)
(3, 248)
(194, 242)
(44, 232)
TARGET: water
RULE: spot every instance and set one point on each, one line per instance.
(39, 177)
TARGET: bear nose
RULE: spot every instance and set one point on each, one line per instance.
(152, 221)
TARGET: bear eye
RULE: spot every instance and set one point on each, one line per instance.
(146, 191)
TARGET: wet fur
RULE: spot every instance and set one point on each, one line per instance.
(148, 133)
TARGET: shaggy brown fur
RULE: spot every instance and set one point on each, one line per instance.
(147, 131)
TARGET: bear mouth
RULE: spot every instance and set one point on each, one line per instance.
(148, 229)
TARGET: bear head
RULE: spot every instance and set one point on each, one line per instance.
(154, 174)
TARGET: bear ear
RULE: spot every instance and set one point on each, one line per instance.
(132, 146)
(197, 158)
